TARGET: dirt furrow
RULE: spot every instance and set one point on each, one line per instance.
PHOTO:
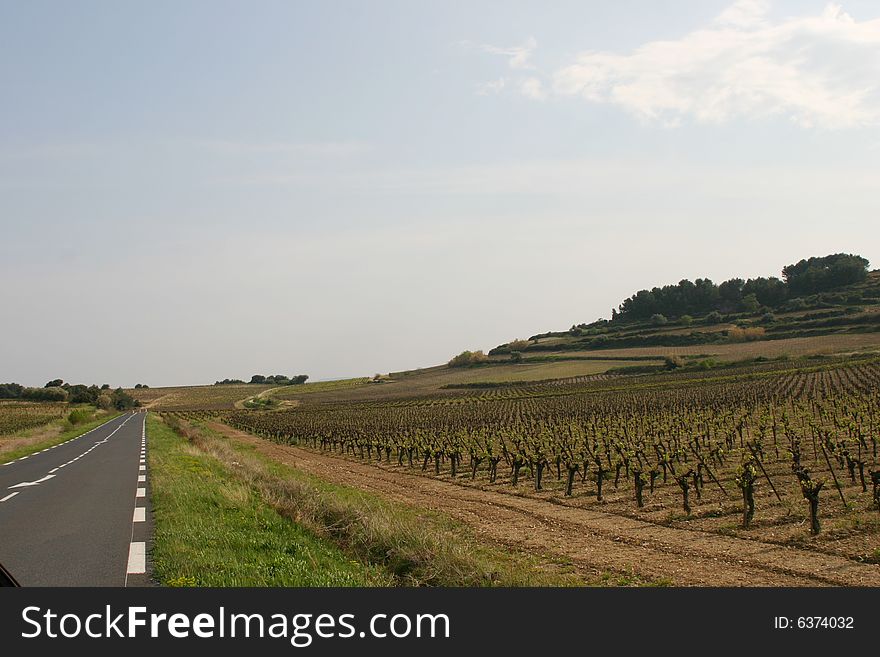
(593, 540)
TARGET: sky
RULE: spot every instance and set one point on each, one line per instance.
(191, 191)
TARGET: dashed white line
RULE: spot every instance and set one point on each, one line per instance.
(140, 514)
(9, 497)
(141, 492)
(32, 483)
(137, 558)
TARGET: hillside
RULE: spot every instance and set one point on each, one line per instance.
(845, 316)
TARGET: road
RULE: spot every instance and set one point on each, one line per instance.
(77, 514)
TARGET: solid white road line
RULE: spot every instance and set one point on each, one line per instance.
(140, 514)
(9, 497)
(137, 558)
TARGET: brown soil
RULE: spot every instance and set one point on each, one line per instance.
(595, 541)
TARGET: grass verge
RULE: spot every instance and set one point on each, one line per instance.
(413, 546)
(213, 529)
(66, 433)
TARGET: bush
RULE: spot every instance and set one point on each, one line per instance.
(516, 356)
(714, 317)
(738, 334)
(79, 416)
(45, 394)
(468, 358)
(685, 320)
(659, 320)
(672, 362)
(768, 318)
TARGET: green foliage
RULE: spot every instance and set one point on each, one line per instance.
(122, 401)
(468, 358)
(820, 274)
(79, 416)
(736, 295)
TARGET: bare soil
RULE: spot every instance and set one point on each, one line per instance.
(595, 541)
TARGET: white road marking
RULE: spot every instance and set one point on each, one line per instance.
(137, 558)
(140, 514)
(142, 468)
(54, 470)
(141, 492)
(9, 497)
(32, 483)
(142, 478)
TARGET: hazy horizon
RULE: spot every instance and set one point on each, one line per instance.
(197, 191)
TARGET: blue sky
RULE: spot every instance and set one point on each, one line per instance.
(196, 190)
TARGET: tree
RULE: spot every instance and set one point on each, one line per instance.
(122, 401)
(815, 275)
(54, 383)
(750, 303)
(658, 320)
(10, 390)
(299, 379)
(258, 378)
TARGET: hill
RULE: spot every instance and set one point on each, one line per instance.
(695, 318)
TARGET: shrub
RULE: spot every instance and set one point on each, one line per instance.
(685, 320)
(516, 356)
(673, 362)
(79, 416)
(658, 319)
(750, 334)
(45, 394)
(714, 317)
(467, 358)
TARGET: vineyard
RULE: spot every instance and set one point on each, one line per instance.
(215, 397)
(21, 416)
(778, 452)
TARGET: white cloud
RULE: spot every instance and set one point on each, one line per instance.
(533, 88)
(815, 70)
(492, 87)
(518, 56)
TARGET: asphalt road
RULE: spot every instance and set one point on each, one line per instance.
(69, 514)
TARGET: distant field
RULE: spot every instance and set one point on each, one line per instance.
(204, 397)
(533, 371)
(821, 344)
(293, 392)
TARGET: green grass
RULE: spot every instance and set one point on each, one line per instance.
(211, 529)
(416, 546)
(67, 433)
